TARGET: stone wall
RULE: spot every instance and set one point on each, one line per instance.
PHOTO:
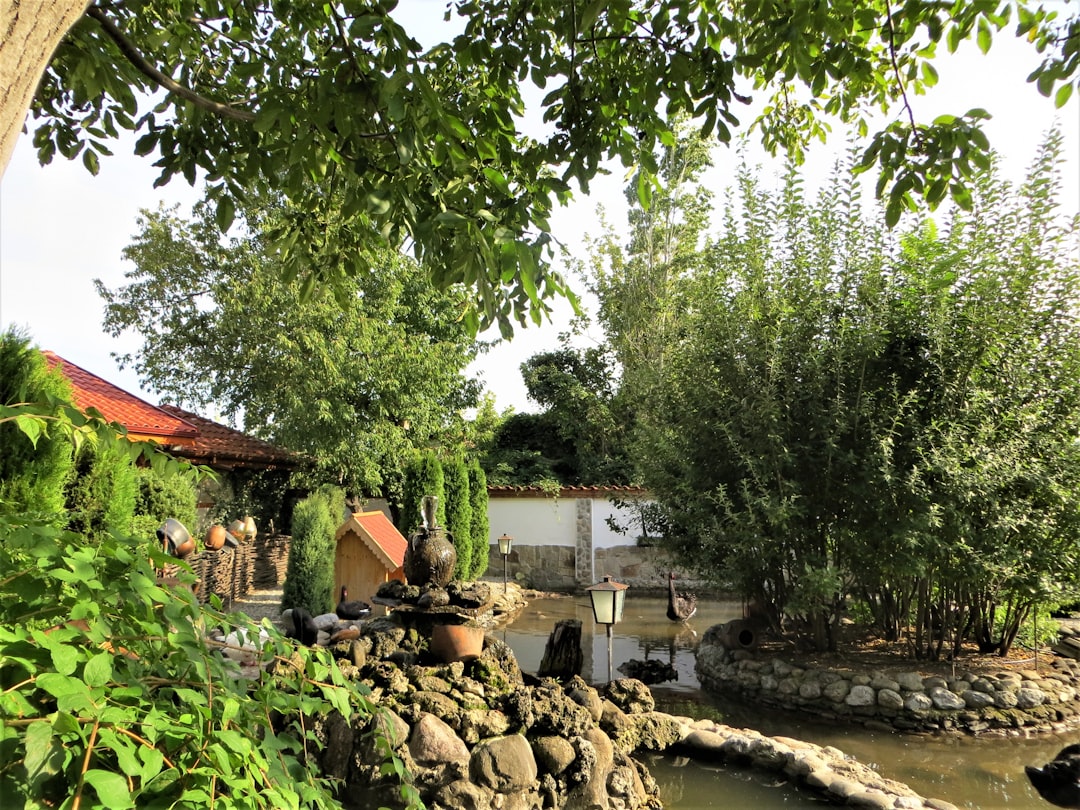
(556, 568)
(1008, 702)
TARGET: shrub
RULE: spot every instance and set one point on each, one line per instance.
(159, 497)
(459, 514)
(100, 497)
(309, 574)
(32, 475)
(424, 476)
(480, 529)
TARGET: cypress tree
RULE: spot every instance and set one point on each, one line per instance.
(479, 526)
(309, 576)
(100, 497)
(459, 514)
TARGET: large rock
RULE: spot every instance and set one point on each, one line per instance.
(630, 695)
(504, 764)
(433, 742)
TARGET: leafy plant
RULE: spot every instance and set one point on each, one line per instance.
(479, 528)
(459, 514)
(309, 575)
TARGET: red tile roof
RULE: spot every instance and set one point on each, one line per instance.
(222, 447)
(142, 420)
(379, 534)
(510, 491)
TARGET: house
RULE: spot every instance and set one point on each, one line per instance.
(229, 453)
(370, 551)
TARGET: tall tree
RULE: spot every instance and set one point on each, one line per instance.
(459, 514)
(352, 382)
(479, 528)
(846, 414)
(429, 146)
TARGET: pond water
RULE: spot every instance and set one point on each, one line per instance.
(971, 773)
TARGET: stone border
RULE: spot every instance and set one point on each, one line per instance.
(1006, 703)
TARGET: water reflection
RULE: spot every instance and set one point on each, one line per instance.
(979, 774)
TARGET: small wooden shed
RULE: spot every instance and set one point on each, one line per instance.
(370, 551)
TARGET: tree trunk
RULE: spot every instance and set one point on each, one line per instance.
(562, 656)
(30, 30)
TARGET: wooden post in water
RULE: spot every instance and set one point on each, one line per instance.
(562, 655)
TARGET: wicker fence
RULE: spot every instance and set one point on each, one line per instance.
(232, 573)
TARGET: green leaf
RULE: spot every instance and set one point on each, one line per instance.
(984, 36)
(110, 787)
(226, 212)
(30, 426)
(1063, 94)
(65, 658)
(98, 670)
(41, 749)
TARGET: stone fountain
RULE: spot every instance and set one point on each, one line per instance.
(452, 614)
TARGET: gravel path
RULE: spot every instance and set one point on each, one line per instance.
(260, 604)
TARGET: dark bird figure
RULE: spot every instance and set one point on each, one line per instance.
(1058, 781)
(351, 610)
(304, 628)
(680, 606)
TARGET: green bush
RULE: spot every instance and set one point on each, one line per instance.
(160, 497)
(459, 514)
(100, 497)
(309, 575)
(480, 529)
(32, 475)
(423, 476)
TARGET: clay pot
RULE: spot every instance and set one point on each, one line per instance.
(456, 642)
(236, 529)
(429, 559)
(176, 537)
(249, 527)
(215, 537)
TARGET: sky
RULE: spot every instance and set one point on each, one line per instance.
(61, 228)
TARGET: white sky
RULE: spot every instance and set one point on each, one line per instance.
(60, 228)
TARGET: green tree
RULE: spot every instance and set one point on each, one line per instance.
(102, 491)
(429, 146)
(845, 416)
(479, 529)
(459, 514)
(33, 468)
(309, 573)
(423, 476)
(351, 383)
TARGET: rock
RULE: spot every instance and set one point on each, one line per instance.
(504, 764)
(433, 742)
(648, 672)
(944, 699)
(592, 792)
(588, 697)
(553, 754)
(630, 695)
(464, 795)
(890, 699)
(860, 695)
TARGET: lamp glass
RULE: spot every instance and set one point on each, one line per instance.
(608, 599)
(505, 543)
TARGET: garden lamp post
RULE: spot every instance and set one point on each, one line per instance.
(608, 598)
(506, 542)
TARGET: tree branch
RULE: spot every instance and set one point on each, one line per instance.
(128, 49)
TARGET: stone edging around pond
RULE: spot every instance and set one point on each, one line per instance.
(1007, 703)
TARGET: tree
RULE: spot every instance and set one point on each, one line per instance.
(423, 476)
(161, 497)
(102, 491)
(34, 467)
(351, 383)
(429, 146)
(459, 514)
(309, 572)
(479, 529)
(847, 415)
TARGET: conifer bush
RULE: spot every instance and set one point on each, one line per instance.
(479, 529)
(459, 514)
(309, 574)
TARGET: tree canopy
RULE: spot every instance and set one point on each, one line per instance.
(355, 383)
(431, 147)
(847, 412)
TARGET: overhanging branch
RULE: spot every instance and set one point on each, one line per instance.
(128, 49)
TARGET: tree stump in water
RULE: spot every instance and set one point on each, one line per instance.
(562, 655)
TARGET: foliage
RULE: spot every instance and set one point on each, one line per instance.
(34, 466)
(266, 495)
(526, 448)
(162, 497)
(309, 573)
(102, 491)
(114, 697)
(459, 514)
(423, 476)
(430, 147)
(354, 384)
(479, 529)
(897, 421)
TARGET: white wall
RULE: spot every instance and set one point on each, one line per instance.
(603, 536)
(533, 521)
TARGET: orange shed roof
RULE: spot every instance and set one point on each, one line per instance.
(379, 534)
(142, 420)
(223, 447)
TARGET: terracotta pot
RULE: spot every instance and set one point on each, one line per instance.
(456, 642)
(215, 537)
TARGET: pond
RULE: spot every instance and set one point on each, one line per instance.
(971, 773)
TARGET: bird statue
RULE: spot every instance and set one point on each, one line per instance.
(680, 606)
(1058, 781)
(351, 610)
(303, 628)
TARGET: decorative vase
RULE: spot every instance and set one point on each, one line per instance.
(249, 527)
(456, 642)
(215, 537)
(429, 558)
